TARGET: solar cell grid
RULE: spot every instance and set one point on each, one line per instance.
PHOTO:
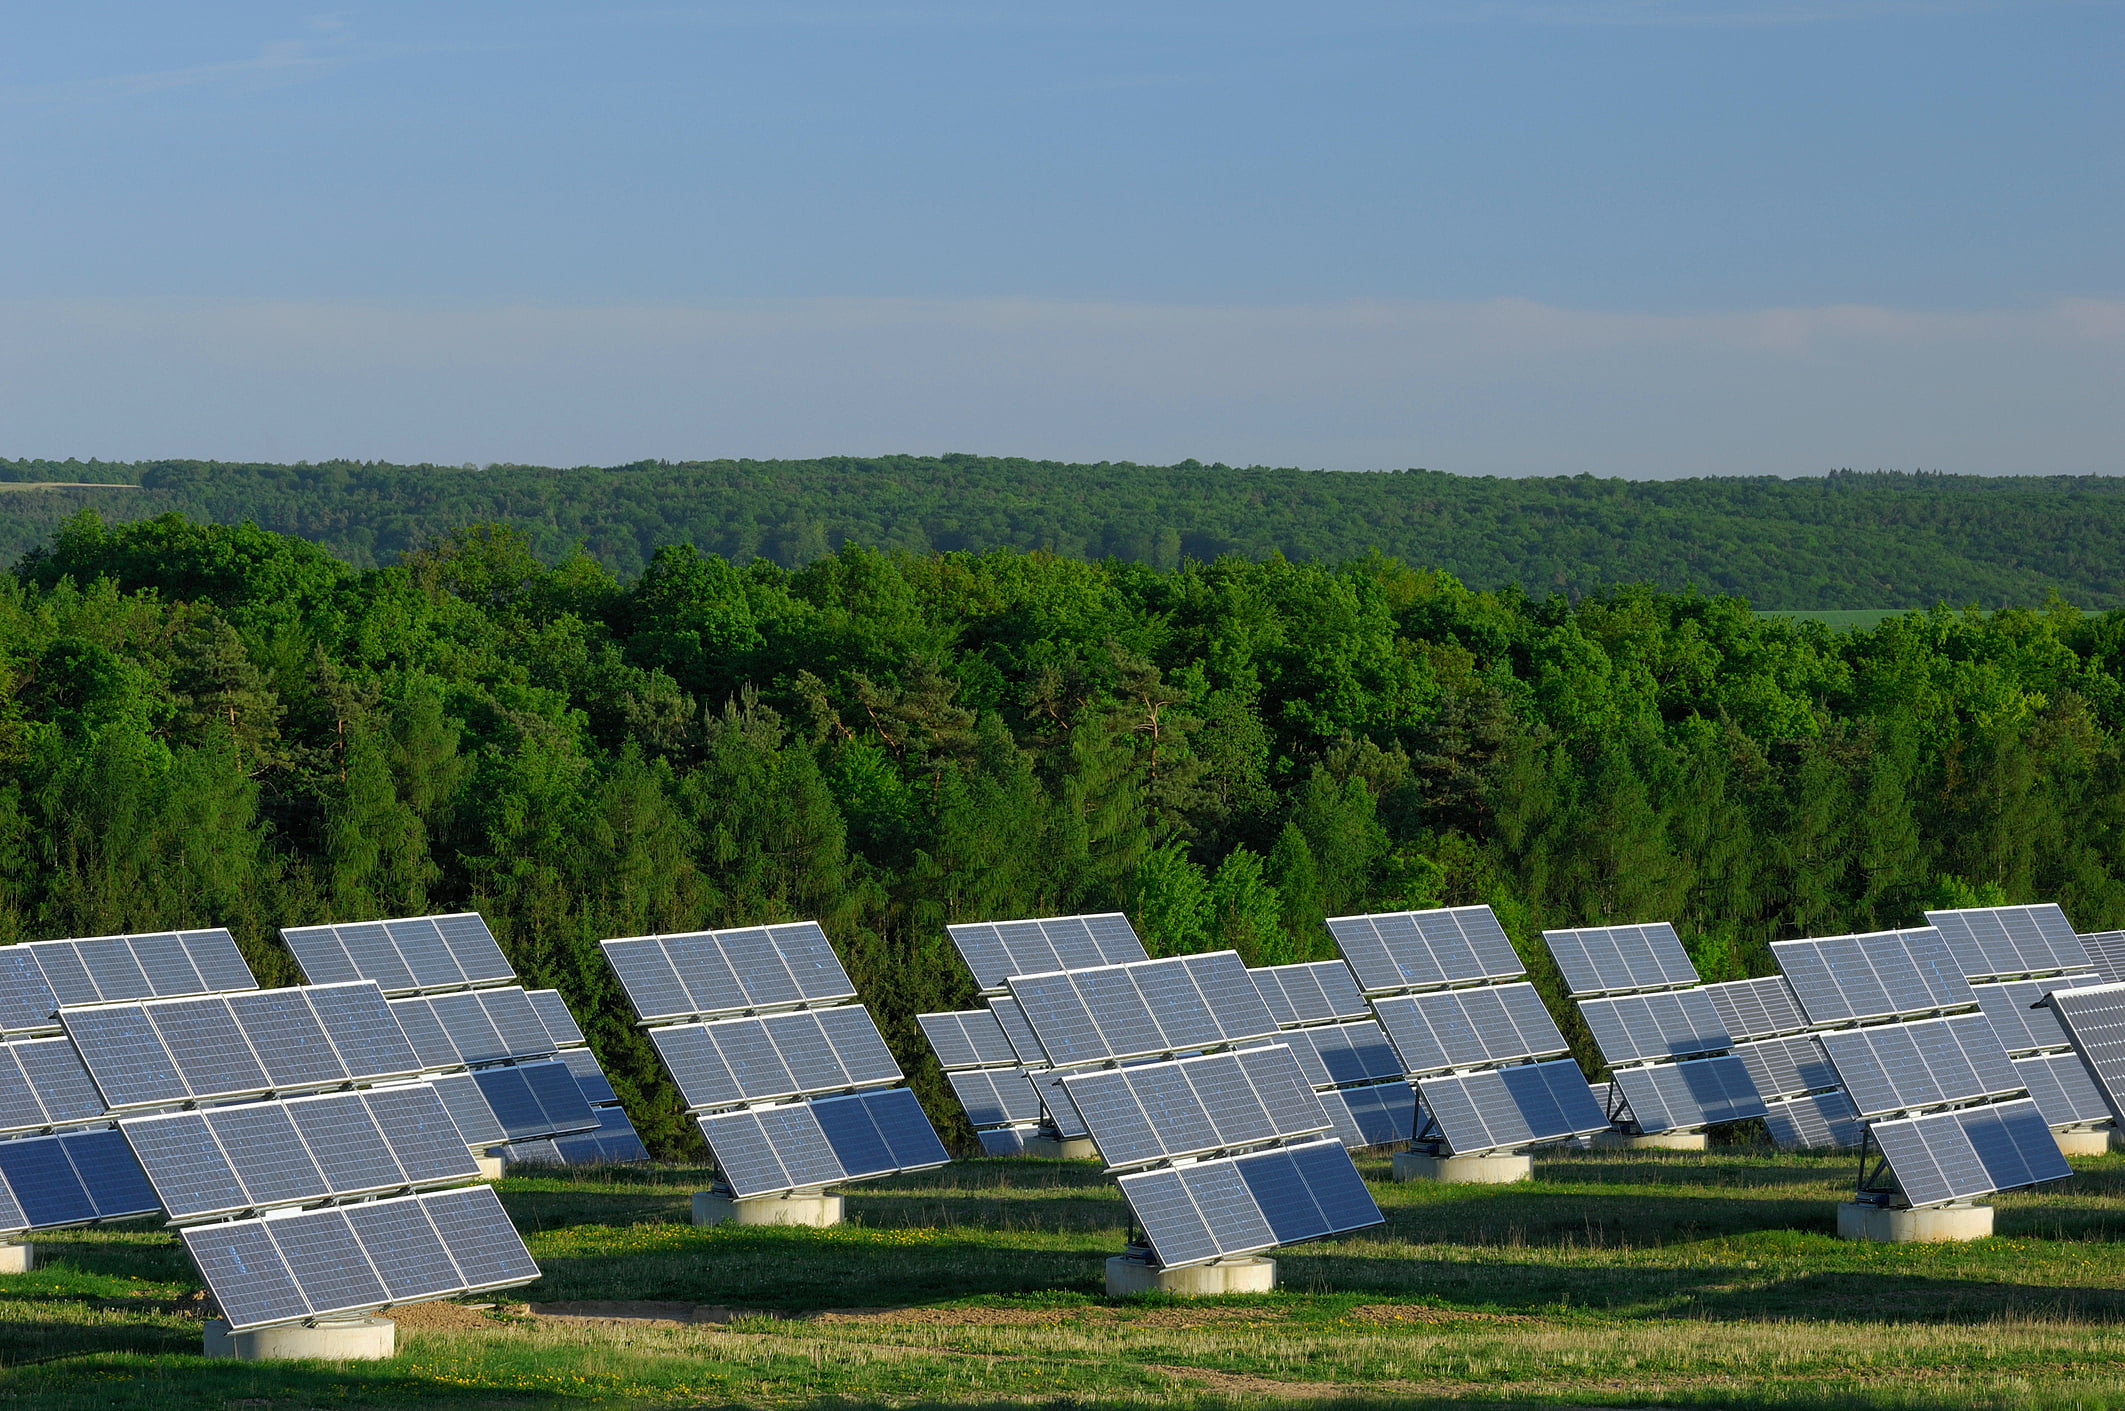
(2094, 1020)
(1662, 1024)
(995, 1097)
(1879, 975)
(475, 1120)
(430, 1039)
(970, 1038)
(2023, 1024)
(1445, 1029)
(559, 1097)
(212, 1055)
(516, 1020)
(64, 972)
(405, 1249)
(2062, 1089)
(1599, 960)
(1239, 1205)
(1969, 1152)
(1332, 1055)
(2010, 940)
(1017, 1032)
(191, 1174)
(1905, 1067)
(26, 999)
(114, 1180)
(359, 1025)
(1697, 1092)
(428, 959)
(167, 966)
(244, 1271)
(2106, 955)
(1419, 949)
(20, 1111)
(1756, 1009)
(553, 1011)
(996, 950)
(1377, 1115)
(597, 1088)
(1787, 1067)
(344, 1141)
(125, 1055)
(859, 1147)
(427, 1144)
(472, 1034)
(1817, 1121)
(268, 1156)
(44, 1183)
(1499, 1108)
(112, 968)
(327, 1262)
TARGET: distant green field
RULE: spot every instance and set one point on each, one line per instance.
(1616, 1280)
(1837, 619)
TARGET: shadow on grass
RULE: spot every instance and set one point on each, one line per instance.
(33, 1342)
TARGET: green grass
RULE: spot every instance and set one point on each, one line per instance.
(1618, 1279)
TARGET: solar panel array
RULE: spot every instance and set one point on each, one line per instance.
(2106, 955)
(986, 1076)
(1208, 1210)
(1990, 1136)
(614, 1140)
(44, 1086)
(456, 1001)
(996, 950)
(1756, 1009)
(38, 977)
(1311, 992)
(1347, 1058)
(1696, 1092)
(789, 1082)
(1142, 1009)
(1446, 987)
(1787, 1064)
(1607, 960)
(408, 955)
(1201, 1106)
(1420, 950)
(2093, 1018)
(1664, 1024)
(349, 1260)
(1994, 942)
(1815, 1121)
(74, 1178)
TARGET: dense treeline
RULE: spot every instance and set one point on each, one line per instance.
(225, 725)
(1841, 541)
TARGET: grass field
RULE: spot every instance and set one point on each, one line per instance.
(1615, 1280)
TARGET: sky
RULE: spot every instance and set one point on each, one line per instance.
(1504, 237)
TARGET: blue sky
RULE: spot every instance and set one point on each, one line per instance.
(1651, 237)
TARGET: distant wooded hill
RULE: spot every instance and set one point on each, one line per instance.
(1842, 541)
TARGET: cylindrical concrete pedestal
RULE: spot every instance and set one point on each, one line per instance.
(1464, 1170)
(818, 1210)
(1127, 1275)
(1936, 1224)
(343, 1340)
(17, 1258)
(1653, 1141)
(1062, 1148)
(490, 1164)
(2094, 1143)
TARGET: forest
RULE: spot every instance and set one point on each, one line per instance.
(1842, 540)
(210, 724)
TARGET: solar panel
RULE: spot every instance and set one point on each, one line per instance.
(996, 950)
(267, 1156)
(346, 1143)
(1969, 1152)
(1500, 1108)
(763, 1151)
(213, 1057)
(2106, 955)
(404, 955)
(1377, 1115)
(967, 1038)
(790, 1054)
(1314, 992)
(1143, 1009)
(75, 1178)
(1193, 1106)
(1405, 950)
(475, 1120)
(1993, 941)
(43, 1084)
(1239, 1205)
(1446, 1029)
(2093, 1017)
(1697, 1092)
(108, 969)
(1332, 1055)
(282, 1269)
(1599, 960)
(2022, 1023)
(1787, 1067)
(615, 1142)
(2062, 1089)
(287, 1038)
(705, 973)
(190, 1173)
(1879, 975)
(1017, 1032)
(1907, 1067)
(1662, 1024)
(1815, 1122)
(27, 1003)
(359, 1024)
(560, 1024)
(995, 1097)
(597, 1088)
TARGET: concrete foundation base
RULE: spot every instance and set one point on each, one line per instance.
(1937, 1224)
(346, 1340)
(490, 1164)
(1653, 1141)
(1464, 1170)
(1126, 1275)
(816, 1210)
(2094, 1143)
(1062, 1148)
(17, 1258)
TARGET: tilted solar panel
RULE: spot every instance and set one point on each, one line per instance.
(1697, 1092)
(589, 1076)
(403, 956)
(1062, 1112)
(995, 1097)
(705, 973)
(532, 1100)
(1992, 941)
(968, 1038)
(614, 1143)
(1445, 1029)
(27, 1003)
(43, 1084)
(1879, 975)
(1404, 950)
(1821, 1121)
(2062, 1089)
(1193, 1106)
(282, 1269)
(1787, 1067)
(469, 1110)
(1239, 1205)
(2022, 1023)
(1499, 1108)
(2106, 955)
(1333, 1055)
(1906, 1067)
(1971, 1151)
(1662, 1024)
(1376, 1115)
(1598, 960)
(996, 950)
(74, 1178)
(553, 1011)
(1143, 1009)
(158, 965)
(2093, 1017)
(790, 1054)
(1313, 992)
(763, 1151)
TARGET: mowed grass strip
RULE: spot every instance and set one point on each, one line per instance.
(1616, 1279)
